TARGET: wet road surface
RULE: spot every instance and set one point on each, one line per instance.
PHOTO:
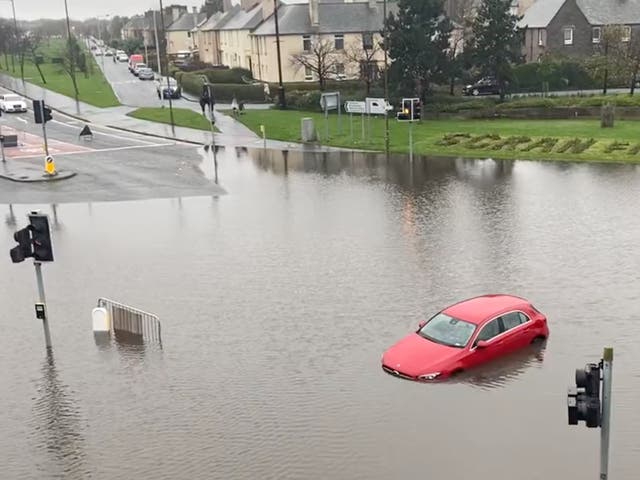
(277, 301)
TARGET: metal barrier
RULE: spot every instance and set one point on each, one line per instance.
(141, 324)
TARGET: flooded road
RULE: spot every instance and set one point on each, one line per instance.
(277, 301)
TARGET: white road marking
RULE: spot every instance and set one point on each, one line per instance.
(23, 120)
(94, 129)
(113, 149)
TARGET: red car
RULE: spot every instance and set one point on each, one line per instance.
(464, 335)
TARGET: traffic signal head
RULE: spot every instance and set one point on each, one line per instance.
(24, 249)
(37, 110)
(583, 401)
(47, 114)
(416, 110)
(41, 238)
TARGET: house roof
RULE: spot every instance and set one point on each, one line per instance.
(243, 20)
(334, 17)
(211, 22)
(597, 12)
(186, 22)
(612, 12)
(540, 14)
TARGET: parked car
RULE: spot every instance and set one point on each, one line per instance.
(98, 52)
(146, 73)
(172, 90)
(108, 53)
(123, 57)
(465, 335)
(137, 67)
(12, 103)
(484, 86)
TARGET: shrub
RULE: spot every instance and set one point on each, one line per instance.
(552, 74)
(544, 144)
(450, 139)
(510, 143)
(635, 149)
(616, 146)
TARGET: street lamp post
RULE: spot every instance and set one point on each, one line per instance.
(386, 77)
(281, 98)
(100, 36)
(72, 59)
(166, 68)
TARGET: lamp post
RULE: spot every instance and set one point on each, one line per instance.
(386, 77)
(281, 98)
(100, 36)
(72, 59)
(166, 68)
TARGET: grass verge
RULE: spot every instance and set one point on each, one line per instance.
(507, 139)
(182, 117)
(93, 87)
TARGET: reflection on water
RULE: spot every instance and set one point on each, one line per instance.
(56, 428)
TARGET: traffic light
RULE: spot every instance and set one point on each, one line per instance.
(41, 237)
(583, 400)
(41, 112)
(24, 249)
(410, 111)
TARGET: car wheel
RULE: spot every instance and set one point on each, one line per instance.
(538, 339)
(475, 92)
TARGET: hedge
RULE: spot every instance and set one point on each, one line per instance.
(554, 75)
(192, 83)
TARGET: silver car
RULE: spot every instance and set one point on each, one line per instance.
(145, 74)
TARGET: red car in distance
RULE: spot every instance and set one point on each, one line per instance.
(464, 335)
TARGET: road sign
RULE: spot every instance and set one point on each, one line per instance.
(354, 107)
(49, 165)
(330, 101)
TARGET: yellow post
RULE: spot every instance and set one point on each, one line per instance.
(264, 135)
(49, 165)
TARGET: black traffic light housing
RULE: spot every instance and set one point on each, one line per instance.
(583, 400)
(41, 237)
(24, 249)
(411, 110)
(41, 112)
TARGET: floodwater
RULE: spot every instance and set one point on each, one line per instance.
(277, 301)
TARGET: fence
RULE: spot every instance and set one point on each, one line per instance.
(143, 325)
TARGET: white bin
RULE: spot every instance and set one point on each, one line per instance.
(101, 320)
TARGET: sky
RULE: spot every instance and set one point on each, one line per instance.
(81, 9)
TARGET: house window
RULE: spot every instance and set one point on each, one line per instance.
(340, 68)
(339, 42)
(568, 36)
(596, 32)
(626, 33)
(306, 43)
(541, 35)
(367, 41)
(308, 73)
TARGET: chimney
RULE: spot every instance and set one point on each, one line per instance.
(373, 4)
(226, 5)
(195, 10)
(248, 4)
(267, 8)
(314, 15)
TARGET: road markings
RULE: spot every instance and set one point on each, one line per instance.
(104, 150)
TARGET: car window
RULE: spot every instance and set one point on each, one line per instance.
(490, 330)
(511, 320)
(523, 317)
(447, 330)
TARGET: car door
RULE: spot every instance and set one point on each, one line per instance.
(516, 334)
(490, 333)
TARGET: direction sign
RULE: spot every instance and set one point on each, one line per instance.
(354, 107)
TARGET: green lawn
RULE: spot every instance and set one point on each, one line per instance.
(182, 117)
(93, 88)
(428, 135)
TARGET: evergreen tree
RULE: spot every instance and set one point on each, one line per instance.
(497, 41)
(419, 43)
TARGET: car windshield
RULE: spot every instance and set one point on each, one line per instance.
(12, 98)
(448, 331)
(172, 81)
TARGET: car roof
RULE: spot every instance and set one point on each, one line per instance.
(478, 309)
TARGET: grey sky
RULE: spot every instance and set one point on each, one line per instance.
(81, 9)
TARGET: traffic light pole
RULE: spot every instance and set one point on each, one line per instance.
(607, 377)
(44, 136)
(213, 132)
(411, 141)
(45, 320)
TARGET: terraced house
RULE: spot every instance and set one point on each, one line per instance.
(575, 27)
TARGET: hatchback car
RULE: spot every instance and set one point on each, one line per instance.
(169, 89)
(465, 335)
(484, 86)
(145, 74)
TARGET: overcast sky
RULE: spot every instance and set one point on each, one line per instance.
(81, 9)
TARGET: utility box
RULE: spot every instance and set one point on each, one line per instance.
(308, 131)
(9, 140)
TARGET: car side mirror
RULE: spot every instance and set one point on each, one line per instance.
(482, 344)
(421, 324)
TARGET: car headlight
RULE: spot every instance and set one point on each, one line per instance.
(429, 376)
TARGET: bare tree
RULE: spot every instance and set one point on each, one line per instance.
(608, 60)
(321, 59)
(366, 59)
(633, 62)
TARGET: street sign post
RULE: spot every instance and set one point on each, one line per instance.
(410, 112)
(331, 101)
